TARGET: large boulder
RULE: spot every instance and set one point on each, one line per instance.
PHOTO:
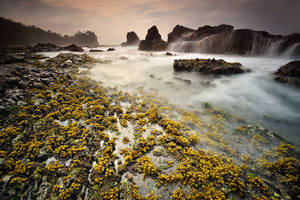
(153, 41)
(289, 73)
(208, 66)
(132, 39)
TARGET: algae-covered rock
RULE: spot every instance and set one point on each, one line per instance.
(208, 66)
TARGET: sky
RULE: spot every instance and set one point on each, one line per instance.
(112, 19)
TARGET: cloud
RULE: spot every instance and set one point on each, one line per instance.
(111, 19)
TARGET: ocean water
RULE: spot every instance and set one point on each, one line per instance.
(254, 96)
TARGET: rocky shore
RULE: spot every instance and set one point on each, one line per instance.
(64, 136)
(208, 66)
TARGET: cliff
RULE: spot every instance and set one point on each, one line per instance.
(225, 39)
(17, 34)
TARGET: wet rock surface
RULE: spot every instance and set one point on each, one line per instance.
(75, 139)
(208, 66)
(289, 73)
(153, 41)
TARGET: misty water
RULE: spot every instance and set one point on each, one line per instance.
(254, 96)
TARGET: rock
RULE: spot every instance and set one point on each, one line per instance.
(169, 54)
(110, 49)
(289, 73)
(12, 81)
(15, 94)
(129, 176)
(185, 81)
(153, 41)
(123, 58)
(132, 39)
(183, 33)
(72, 47)
(224, 39)
(43, 47)
(208, 66)
(96, 50)
(9, 59)
(37, 85)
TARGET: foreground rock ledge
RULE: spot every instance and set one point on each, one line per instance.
(72, 138)
(208, 66)
(289, 73)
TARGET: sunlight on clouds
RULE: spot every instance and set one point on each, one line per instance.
(112, 19)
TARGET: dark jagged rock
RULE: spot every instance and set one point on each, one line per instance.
(96, 50)
(224, 39)
(208, 66)
(178, 32)
(153, 41)
(132, 39)
(111, 49)
(72, 47)
(169, 54)
(289, 73)
(187, 34)
(290, 41)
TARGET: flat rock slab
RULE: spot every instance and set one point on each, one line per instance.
(208, 66)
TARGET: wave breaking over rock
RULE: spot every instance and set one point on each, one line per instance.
(224, 39)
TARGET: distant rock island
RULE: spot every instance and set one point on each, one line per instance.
(224, 39)
(17, 34)
(132, 39)
(153, 41)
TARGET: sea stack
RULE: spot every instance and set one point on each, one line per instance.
(153, 41)
(132, 39)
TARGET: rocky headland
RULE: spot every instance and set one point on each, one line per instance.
(16, 34)
(225, 39)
